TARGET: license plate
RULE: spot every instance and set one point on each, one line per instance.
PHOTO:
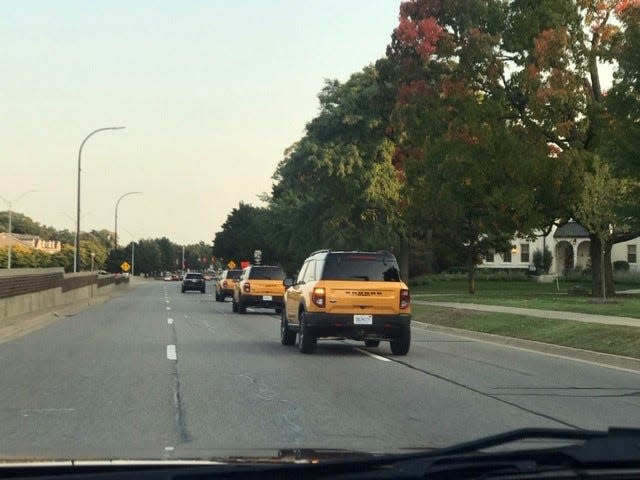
(363, 319)
(267, 298)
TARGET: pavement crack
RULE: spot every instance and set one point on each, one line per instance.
(180, 421)
(485, 394)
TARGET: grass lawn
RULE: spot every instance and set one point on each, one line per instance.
(613, 339)
(526, 294)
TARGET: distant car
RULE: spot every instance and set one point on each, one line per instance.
(259, 286)
(193, 281)
(175, 277)
(226, 284)
(167, 278)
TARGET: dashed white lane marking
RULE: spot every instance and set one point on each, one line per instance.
(373, 355)
(171, 352)
(170, 321)
(168, 308)
(167, 301)
(169, 448)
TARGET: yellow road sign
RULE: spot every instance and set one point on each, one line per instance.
(231, 264)
(125, 266)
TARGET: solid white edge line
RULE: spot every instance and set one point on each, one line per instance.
(373, 355)
(171, 352)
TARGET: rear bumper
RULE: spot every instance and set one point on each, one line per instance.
(260, 302)
(342, 325)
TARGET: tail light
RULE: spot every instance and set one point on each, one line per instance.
(224, 284)
(405, 299)
(318, 297)
(246, 287)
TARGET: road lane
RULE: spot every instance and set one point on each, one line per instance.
(91, 385)
(158, 373)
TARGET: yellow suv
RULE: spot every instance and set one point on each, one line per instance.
(259, 286)
(226, 284)
(355, 295)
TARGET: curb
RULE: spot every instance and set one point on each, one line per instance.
(606, 359)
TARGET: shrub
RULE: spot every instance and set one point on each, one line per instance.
(578, 291)
(542, 261)
(621, 266)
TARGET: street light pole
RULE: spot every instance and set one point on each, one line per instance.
(76, 253)
(10, 205)
(115, 230)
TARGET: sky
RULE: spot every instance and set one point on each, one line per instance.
(211, 93)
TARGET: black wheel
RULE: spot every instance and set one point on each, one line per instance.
(306, 341)
(202, 291)
(287, 337)
(183, 290)
(371, 343)
(217, 297)
(400, 345)
(234, 306)
(242, 308)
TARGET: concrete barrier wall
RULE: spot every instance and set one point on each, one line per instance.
(74, 288)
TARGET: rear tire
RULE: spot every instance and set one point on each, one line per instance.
(307, 342)
(371, 343)
(287, 337)
(183, 290)
(278, 309)
(234, 306)
(400, 345)
(242, 308)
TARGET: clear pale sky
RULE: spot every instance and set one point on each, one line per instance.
(211, 93)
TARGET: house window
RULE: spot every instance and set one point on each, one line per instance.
(490, 254)
(631, 254)
(524, 252)
(506, 256)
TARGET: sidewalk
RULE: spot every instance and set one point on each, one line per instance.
(534, 312)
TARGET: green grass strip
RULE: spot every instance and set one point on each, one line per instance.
(613, 339)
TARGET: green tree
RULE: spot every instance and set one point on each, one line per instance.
(338, 181)
(533, 68)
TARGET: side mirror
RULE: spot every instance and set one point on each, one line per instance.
(287, 282)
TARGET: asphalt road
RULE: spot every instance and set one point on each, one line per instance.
(160, 374)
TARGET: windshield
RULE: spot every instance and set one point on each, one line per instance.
(370, 267)
(266, 273)
(284, 229)
(234, 274)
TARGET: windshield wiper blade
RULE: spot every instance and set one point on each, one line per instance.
(617, 449)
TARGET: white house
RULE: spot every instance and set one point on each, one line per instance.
(569, 246)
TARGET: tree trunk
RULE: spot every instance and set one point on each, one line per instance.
(596, 268)
(471, 272)
(429, 252)
(404, 258)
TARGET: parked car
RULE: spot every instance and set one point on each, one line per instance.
(193, 281)
(226, 284)
(354, 295)
(259, 286)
